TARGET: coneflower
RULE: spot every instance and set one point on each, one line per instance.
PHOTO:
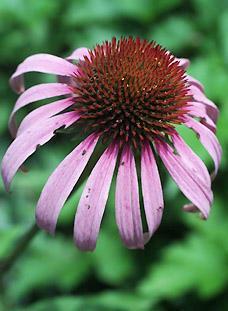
(128, 95)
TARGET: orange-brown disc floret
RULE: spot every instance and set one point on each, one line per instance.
(131, 90)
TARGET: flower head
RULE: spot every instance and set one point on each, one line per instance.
(128, 95)
(131, 90)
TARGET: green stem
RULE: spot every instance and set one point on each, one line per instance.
(8, 262)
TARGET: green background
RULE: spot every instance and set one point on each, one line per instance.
(185, 265)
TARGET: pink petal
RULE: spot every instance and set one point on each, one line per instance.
(208, 140)
(190, 208)
(79, 54)
(44, 112)
(199, 110)
(93, 200)
(61, 183)
(128, 216)
(183, 62)
(45, 63)
(194, 163)
(35, 93)
(24, 145)
(151, 189)
(199, 96)
(195, 82)
(186, 178)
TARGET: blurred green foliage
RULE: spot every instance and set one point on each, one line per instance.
(185, 265)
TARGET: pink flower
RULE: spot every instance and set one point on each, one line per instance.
(129, 95)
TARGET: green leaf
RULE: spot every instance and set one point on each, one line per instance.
(8, 237)
(111, 250)
(68, 212)
(210, 70)
(223, 134)
(174, 33)
(5, 111)
(215, 228)
(198, 263)
(107, 301)
(208, 12)
(51, 262)
(223, 23)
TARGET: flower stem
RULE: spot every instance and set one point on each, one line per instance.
(8, 262)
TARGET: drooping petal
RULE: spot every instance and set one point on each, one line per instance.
(61, 183)
(199, 110)
(208, 140)
(79, 54)
(93, 200)
(185, 177)
(35, 93)
(45, 63)
(151, 189)
(43, 112)
(128, 216)
(190, 208)
(199, 96)
(183, 62)
(194, 163)
(24, 145)
(195, 82)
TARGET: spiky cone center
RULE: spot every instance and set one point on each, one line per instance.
(130, 90)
